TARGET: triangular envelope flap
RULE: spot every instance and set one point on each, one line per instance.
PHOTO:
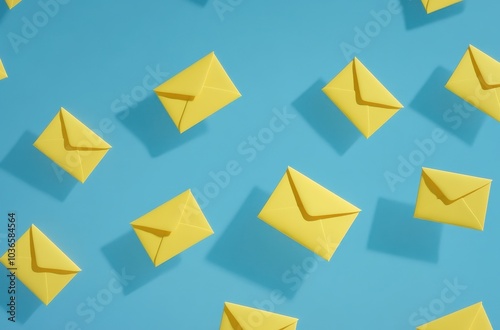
(218, 78)
(488, 67)
(188, 82)
(370, 90)
(48, 255)
(3, 73)
(272, 321)
(316, 200)
(78, 135)
(454, 185)
(165, 218)
(481, 321)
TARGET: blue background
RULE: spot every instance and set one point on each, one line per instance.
(279, 54)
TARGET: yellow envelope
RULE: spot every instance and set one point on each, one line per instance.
(41, 265)
(238, 317)
(172, 228)
(433, 5)
(362, 98)
(452, 198)
(72, 145)
(470, 318)
(309, 213)
(3, 73)
(12, 3)
(477, 80)
(197, 92)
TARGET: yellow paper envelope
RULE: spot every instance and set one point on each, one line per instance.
(452, 198)
(41, 265)
(12, 3)
(238, 317)
(197, 92)
(72, 145)
(3, 73)
(309, 213)
(470, 318)
(433, 5)
(172, 228)
(362, 98)
(477, 80)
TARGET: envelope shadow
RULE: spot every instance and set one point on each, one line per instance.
(126, 254)
(395, 231)
(416, 16)
(199, 2)
(31, 166)
(3, 11)
(328, 121)
(26, 302)
(447, 110)
(254, 250)
(151, 124)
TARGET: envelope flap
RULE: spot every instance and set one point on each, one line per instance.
(481, 321)
(3, 73)
(244, 316)
(47, 255)
(217, 78)
(454, 185)
(370, 90)
(164, 219)
(486, 67)
(79, 136)
(188, 83)
(317, 201)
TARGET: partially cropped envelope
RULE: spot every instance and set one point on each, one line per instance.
(434, 5)
(238, 317)
(41, 265)
(477, 80)
(362, 98)
(72, 145)
(452, 198)
(470, 318)
(197, 92)
(3, 73)
(172, 228)
(309, 213)
(12, 3)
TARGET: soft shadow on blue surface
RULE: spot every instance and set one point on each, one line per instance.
(328, 121)
(126, 254)
(199, 2)
(395, 231)
(150, 122)
(3, 11)
(31, 166)
(253, 249)
(26, 302)
(416, 16)
(446, 109)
